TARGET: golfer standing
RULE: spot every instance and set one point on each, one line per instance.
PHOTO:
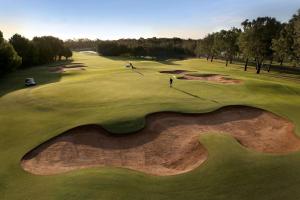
(171, 82)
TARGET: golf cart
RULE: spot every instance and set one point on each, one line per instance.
(29, 82)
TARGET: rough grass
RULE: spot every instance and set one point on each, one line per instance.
(107, 93)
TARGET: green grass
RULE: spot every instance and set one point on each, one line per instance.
(107, 93)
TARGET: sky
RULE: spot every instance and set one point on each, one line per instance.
(115, 19)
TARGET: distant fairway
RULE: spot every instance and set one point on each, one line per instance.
(118, 98)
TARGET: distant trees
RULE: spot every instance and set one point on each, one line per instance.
(82, 44)
(261, 40)
(205, 47)
(111, 48)
(223, 44)
(9, 59)
(159, 48)
(39, 50)
(22, 52)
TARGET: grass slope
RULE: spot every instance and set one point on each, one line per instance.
(118, 98)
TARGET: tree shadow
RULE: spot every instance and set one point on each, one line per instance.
(193, 95)
(281, 70)
(168, 62)
(15, 81)
(127, 58)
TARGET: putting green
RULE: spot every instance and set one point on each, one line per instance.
(108, 93)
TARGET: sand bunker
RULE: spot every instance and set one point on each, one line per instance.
(204, 77)
(65, 68)
(168, 145)
(174, 72)
(211, 77)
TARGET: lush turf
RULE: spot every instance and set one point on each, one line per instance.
(118, 98)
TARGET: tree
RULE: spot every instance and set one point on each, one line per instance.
(231, 43)
(25, 49)
(244, 41)
(256, 40)
(283, 46)
(218, 44)
(295, 23)
(226, 43)
(138, 51)
(1, 37)
(82, 44)
(67, 53)
(204, 47)
(158, 48)
(49, 48)
(111, 48)
(9, 59)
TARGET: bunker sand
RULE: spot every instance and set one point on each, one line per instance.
(168, 144)
(211, 77)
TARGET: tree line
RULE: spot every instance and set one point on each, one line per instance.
(20, 52)
(260, 41)
(159, 48)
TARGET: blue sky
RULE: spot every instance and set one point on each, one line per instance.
(114, 19)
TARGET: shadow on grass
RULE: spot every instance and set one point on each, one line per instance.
(168, 62)
(193, 95)
(136, 71)
(128, 58)
(15, 81)
(281, 70)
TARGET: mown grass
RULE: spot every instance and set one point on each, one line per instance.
(118, 98)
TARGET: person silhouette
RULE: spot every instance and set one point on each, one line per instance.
(131, 65)
(171, 82)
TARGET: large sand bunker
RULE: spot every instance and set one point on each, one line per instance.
(168, 145)
(210, 77)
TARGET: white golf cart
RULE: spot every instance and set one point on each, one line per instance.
(29, 82)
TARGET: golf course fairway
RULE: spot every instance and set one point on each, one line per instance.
(101, 91)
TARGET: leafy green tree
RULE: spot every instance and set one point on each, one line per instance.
(9, 59)
(25, 49)
(244, 41)
(218, 44)
(158, 48)
(67, 53)
(82, 44)
(226, 44)
(256, 40)
(295, 23)
(111, 48)
(204, 47)
(49, 48)
(283, 46)
(231, 43)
